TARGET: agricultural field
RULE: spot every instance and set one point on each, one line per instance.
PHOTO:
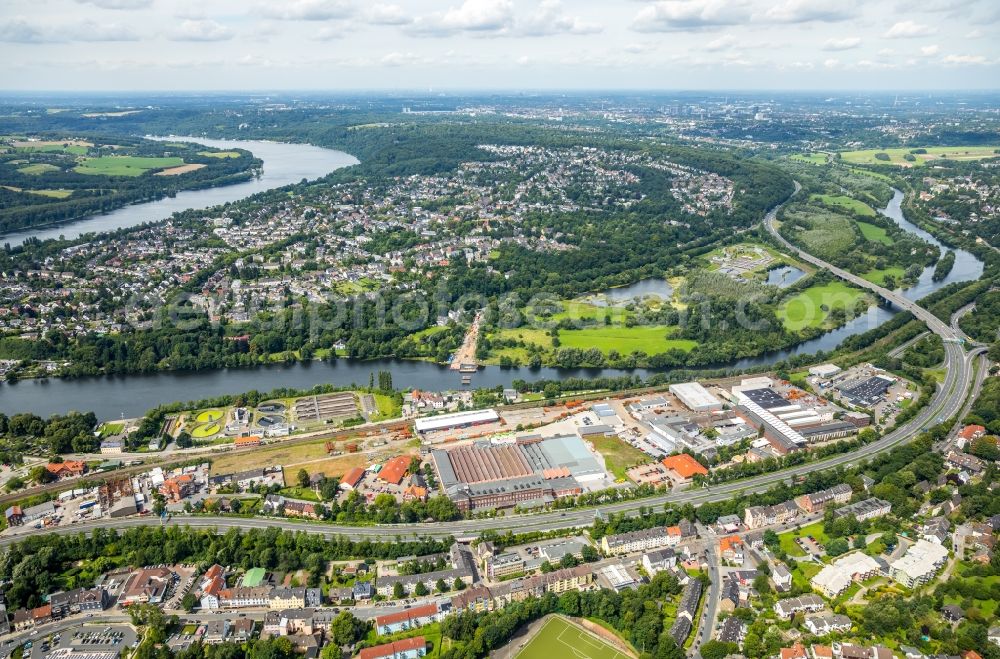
(811, 158)
(813, 306)
(897, 155)
(559, 637)
(38, 168)
(125, 165)
(875, 233)
(845, 202)
(650, 340)
(220, 154)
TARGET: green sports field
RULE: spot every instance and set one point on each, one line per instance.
(559, 638)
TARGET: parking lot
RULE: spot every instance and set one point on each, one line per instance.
(86, 637)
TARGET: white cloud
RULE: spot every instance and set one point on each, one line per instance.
(724, 42)
(804, 11)
(965, 59)
(928, 51)
(831, 63)
(675, 15)
(523, 60)
(909, 30)
(330, 33)
(637, 48)
(388, 15)
(118, 4)
(306, 10)
(398, 59)
(551, 19)
(21, 30)
(205, 30)
(847, 43)
(481, 16)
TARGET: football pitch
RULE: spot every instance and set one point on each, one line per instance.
(560, 638)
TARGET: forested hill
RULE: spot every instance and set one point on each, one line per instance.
(392, 144)
(52, 177)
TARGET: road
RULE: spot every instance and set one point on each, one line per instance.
(946, 402)
(711, 609)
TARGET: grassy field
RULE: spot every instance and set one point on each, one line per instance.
(388, 408)
(787, 539)
(38, 168)
(878, 276)
(811, 158)
(54, 194)
(125, 165)
(842, 201)
(311, 456)
(618, 456)
(559, 637)
(46, 147)
(896, 155)
(220, 154)
(812, 307)
(336, 466)
(874, 233)
(625, 340)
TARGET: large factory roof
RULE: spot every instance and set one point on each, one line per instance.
(695, 396)
(456, 420)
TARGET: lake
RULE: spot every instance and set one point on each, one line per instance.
(283, 164)
(131, 395)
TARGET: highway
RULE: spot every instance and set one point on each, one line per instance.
(946, 402)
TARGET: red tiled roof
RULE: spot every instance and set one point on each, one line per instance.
(969, 432)
(388, 649)
(395, 469)
(424, 611)
(684, 465)
(353, 476)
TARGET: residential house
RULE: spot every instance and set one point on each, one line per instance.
(410, 648)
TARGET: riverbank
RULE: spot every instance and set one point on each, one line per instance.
(284, 164)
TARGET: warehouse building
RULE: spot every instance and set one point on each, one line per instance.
(695, 397)
(456, 420)
(870, 392)
(532, 471)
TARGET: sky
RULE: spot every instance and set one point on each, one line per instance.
(125, 45)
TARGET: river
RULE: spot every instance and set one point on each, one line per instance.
(131, 395)
(283, 164)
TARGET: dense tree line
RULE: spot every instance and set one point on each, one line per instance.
(97, 193)
(42, 564)
(635, 614)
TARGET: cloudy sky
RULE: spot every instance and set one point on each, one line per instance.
(493, 44)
